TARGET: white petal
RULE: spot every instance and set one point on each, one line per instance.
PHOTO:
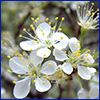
(49, 69)
(46, 30)
(67, 68)
(43, 52)
(91, 60)
(94, 92)
(73, 45)
(92, 71)
(61, 45)
(17, 66)
(22, 88)
(60, 36)
(84, 73)
(36, 59)
(59, 55)
(27, 45)
(82, 94)
(42, 87)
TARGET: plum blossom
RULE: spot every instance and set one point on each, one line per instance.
(75, 60)
(31, 72)
(93, 93)
(45, 37)
(86, 16)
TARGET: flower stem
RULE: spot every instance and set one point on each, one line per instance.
(79, 82)
(94, 81)
(83, 31)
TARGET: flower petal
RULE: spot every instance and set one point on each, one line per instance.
(62, 40)
(49, 67)
(36, 59)
(88, 58)
(82, 94)
(28, 45)
(67, 68)
(42, 87)
(73, 44)
(59, 55)
(22, 88)
(84, 73)
(17, 66)
(43, 52)
(94, 92)
(92, 71)
(46, 30)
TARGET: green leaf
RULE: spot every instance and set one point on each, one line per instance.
(84, 50)
(96, 55)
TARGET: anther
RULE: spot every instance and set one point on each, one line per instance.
(43, 82)
(78, 41)
(49, 23)
(97, 9)
(63, 18)
(97, 94)
(33, 28)
(35, 66)
(87, 58)
(44, 54)
(75, 46)
(60, 29)
(34, 81)
(35, 21)
(8, 71)
(31, 49)
(41, 29)
(10, 59)
(23, 66)
(42, 33)
(20, 58)
(74, 65)
(25, 61)
(14, 82)
(51, 34)
(8, 56)
(33, 41)
(18, 75)
(79, 7)
(34, 75)
(92, 3)
(31, 25)
(30, 73)
(72, 58)
(56, 18)
(36, 52)
(32, 18)
(37, 41)
(20, 55)
(76, 2)
(64, 51)
(49, 64)
(20, 35)
(61, 37)
(97, 89)
(46, 19)
(24, 29)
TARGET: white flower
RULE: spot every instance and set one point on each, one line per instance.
(8, 46)
(86, 16)
(31, 72)
(93, 93)
(45, 38)
(75, 59)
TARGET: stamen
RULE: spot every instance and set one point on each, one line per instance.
(49, 64)
(34, 81)
(32, 18)
(35, 66)
(14, 82)
(8, 56)
(8, 71)
(18, 75)
(43, 82)
(20, 35)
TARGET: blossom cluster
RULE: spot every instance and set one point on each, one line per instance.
(49, 40)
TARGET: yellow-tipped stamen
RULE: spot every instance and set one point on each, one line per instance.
(25, 61)
(51, 34)
(20, 35)
(56, 18)
(72, 58)
(10, 59)
(64, 51)
(75, 46)
(47, 19)
(18, 75)
(36, 52)
(49, 23)
(30, 73)
(43, 82)
(42, 33)
(8, 56)
(24, 29)
(92, 3)
(20, 55)
(87, 58)
(44, 54)
(8, 71)
(60, 29)
(37, 41)
(35, 66)
(33, 28)
(23, 66)
(31, 49)
(90, 93)
(20, 58)
(79, 7)
(76, 2)
(49, 64)
(78, 41)
(97, 94)
(14, 82)
(33, 41)
(63, 18)
(97, 89)
(61, 37)
(32, 18)
(34, 75)
(37, 19)
(34, 81)
(74, 65)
